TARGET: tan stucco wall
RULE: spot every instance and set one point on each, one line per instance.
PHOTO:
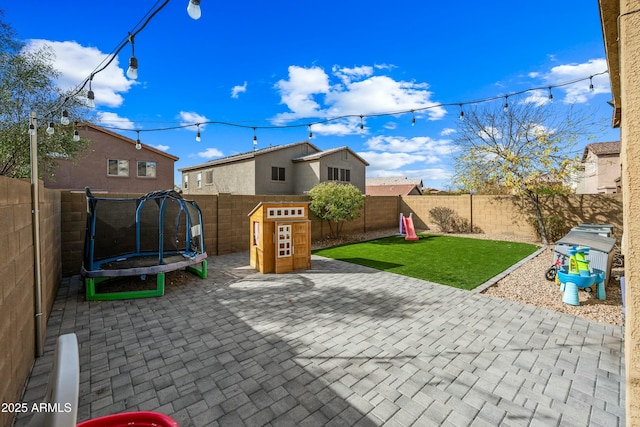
(17, 315)
(629, 49)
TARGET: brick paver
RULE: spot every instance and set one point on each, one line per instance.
(338, 345)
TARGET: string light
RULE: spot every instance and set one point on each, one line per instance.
(132, 71)
(32, 129)
(506, 103)
(550, 94)
(461, 117)
(361, 122)
(413, 118)
(310, 133)
(76, 135)
(198, 134)
(591, 83)
(91, 96)
(64, 120)
(193, 9)
(138, 143)
(255, 139)
(50, 129)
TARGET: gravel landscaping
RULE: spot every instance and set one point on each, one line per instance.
(527, 284)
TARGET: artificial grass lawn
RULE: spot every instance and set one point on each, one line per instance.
(455, 261)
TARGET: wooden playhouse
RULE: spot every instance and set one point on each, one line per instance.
(280, 237)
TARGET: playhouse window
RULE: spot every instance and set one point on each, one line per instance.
(199, 180)
(186, 182)
(117, 167)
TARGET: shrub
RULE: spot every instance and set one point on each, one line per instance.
(336, 203)
(555, 227)
(450, 222)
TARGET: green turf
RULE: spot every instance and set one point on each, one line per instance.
(455, 261)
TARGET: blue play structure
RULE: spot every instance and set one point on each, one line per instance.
(152, 234)
(577, 275)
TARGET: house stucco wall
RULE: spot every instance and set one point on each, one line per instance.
(237, 178)
(344, 160)
(90, 169)
(628, 24)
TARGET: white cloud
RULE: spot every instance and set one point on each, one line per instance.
(297, 92)
(309, 92)
(237, 90)
(382, 161)
(537, 97)
(76, 63)
(423, 145)
(191, 118)
(349, 74)
(580, 92)
(338, 127)
(161, 147)
(447, 131)
(210, 153)
(112, 119)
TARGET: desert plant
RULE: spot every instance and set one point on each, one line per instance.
(555, 226)
(450, 222)
(336, 203)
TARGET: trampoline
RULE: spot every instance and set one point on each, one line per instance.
(149, 235)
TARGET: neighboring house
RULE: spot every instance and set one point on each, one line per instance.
(284, 169)
(600, 168)
(394, 186)
(113, 164)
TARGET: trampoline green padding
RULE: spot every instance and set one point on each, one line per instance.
(148, 235)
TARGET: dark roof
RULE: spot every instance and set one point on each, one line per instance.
(245, 156)
(319, 154)
(601, 149)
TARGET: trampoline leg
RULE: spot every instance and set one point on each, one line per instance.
(200, 272)
(90, 288)
(160, 284)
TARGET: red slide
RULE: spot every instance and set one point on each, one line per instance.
(408, 227)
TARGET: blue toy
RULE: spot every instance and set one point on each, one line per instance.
(577, 275)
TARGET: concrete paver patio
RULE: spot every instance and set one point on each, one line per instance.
(337, 345)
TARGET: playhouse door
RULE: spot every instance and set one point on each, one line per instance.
(284, 248)
(301, 251)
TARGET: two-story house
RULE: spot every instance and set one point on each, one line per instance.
(600, 167)
(113, 164)
(284, 169)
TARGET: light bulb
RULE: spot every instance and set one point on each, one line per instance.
(198, 136)
(76, 135)
(194, 9)
(138, 145)
(91, 99)
(50, 129)
(65, 118)
(32, 129)
(132, 71)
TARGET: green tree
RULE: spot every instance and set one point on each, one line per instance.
(27, 83)
(336, 203)
(525, 150)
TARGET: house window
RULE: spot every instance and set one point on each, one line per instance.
(277, 174)
(208, 177)
(336, 174)
(147, 169)
(186, 182)
(333, 174)
(117, 167)
(199, 180)
(345, 155)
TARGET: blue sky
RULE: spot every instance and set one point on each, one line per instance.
(291, 62)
